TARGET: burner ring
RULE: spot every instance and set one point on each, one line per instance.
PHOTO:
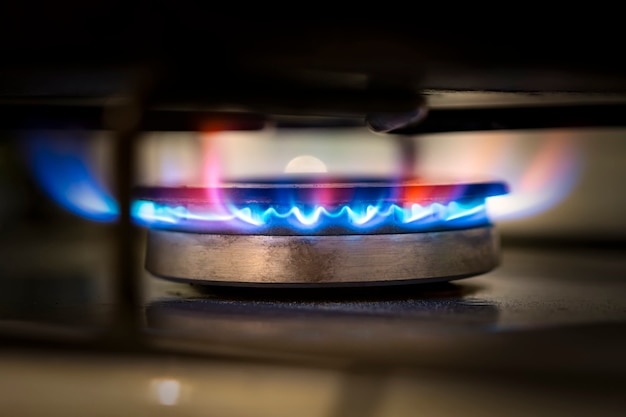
(333, 260)
(311, 208)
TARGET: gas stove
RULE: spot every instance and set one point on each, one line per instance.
(203, 210)
(319, 232)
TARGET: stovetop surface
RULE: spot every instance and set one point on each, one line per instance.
(547, 308)
(544, 331)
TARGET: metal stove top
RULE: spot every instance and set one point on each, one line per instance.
(543, 332)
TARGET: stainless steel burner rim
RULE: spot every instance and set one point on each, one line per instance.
(321, 260)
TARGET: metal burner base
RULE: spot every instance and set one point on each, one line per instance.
(384, 259)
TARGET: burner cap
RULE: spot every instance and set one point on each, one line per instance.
(312, 190)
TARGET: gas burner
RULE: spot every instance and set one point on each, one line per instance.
(307, 232)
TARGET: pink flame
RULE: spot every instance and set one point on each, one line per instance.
(212, 171)
(541, 167)
(550, 176)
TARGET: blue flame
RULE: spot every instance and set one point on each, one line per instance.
(359, 219)
(60, 166)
